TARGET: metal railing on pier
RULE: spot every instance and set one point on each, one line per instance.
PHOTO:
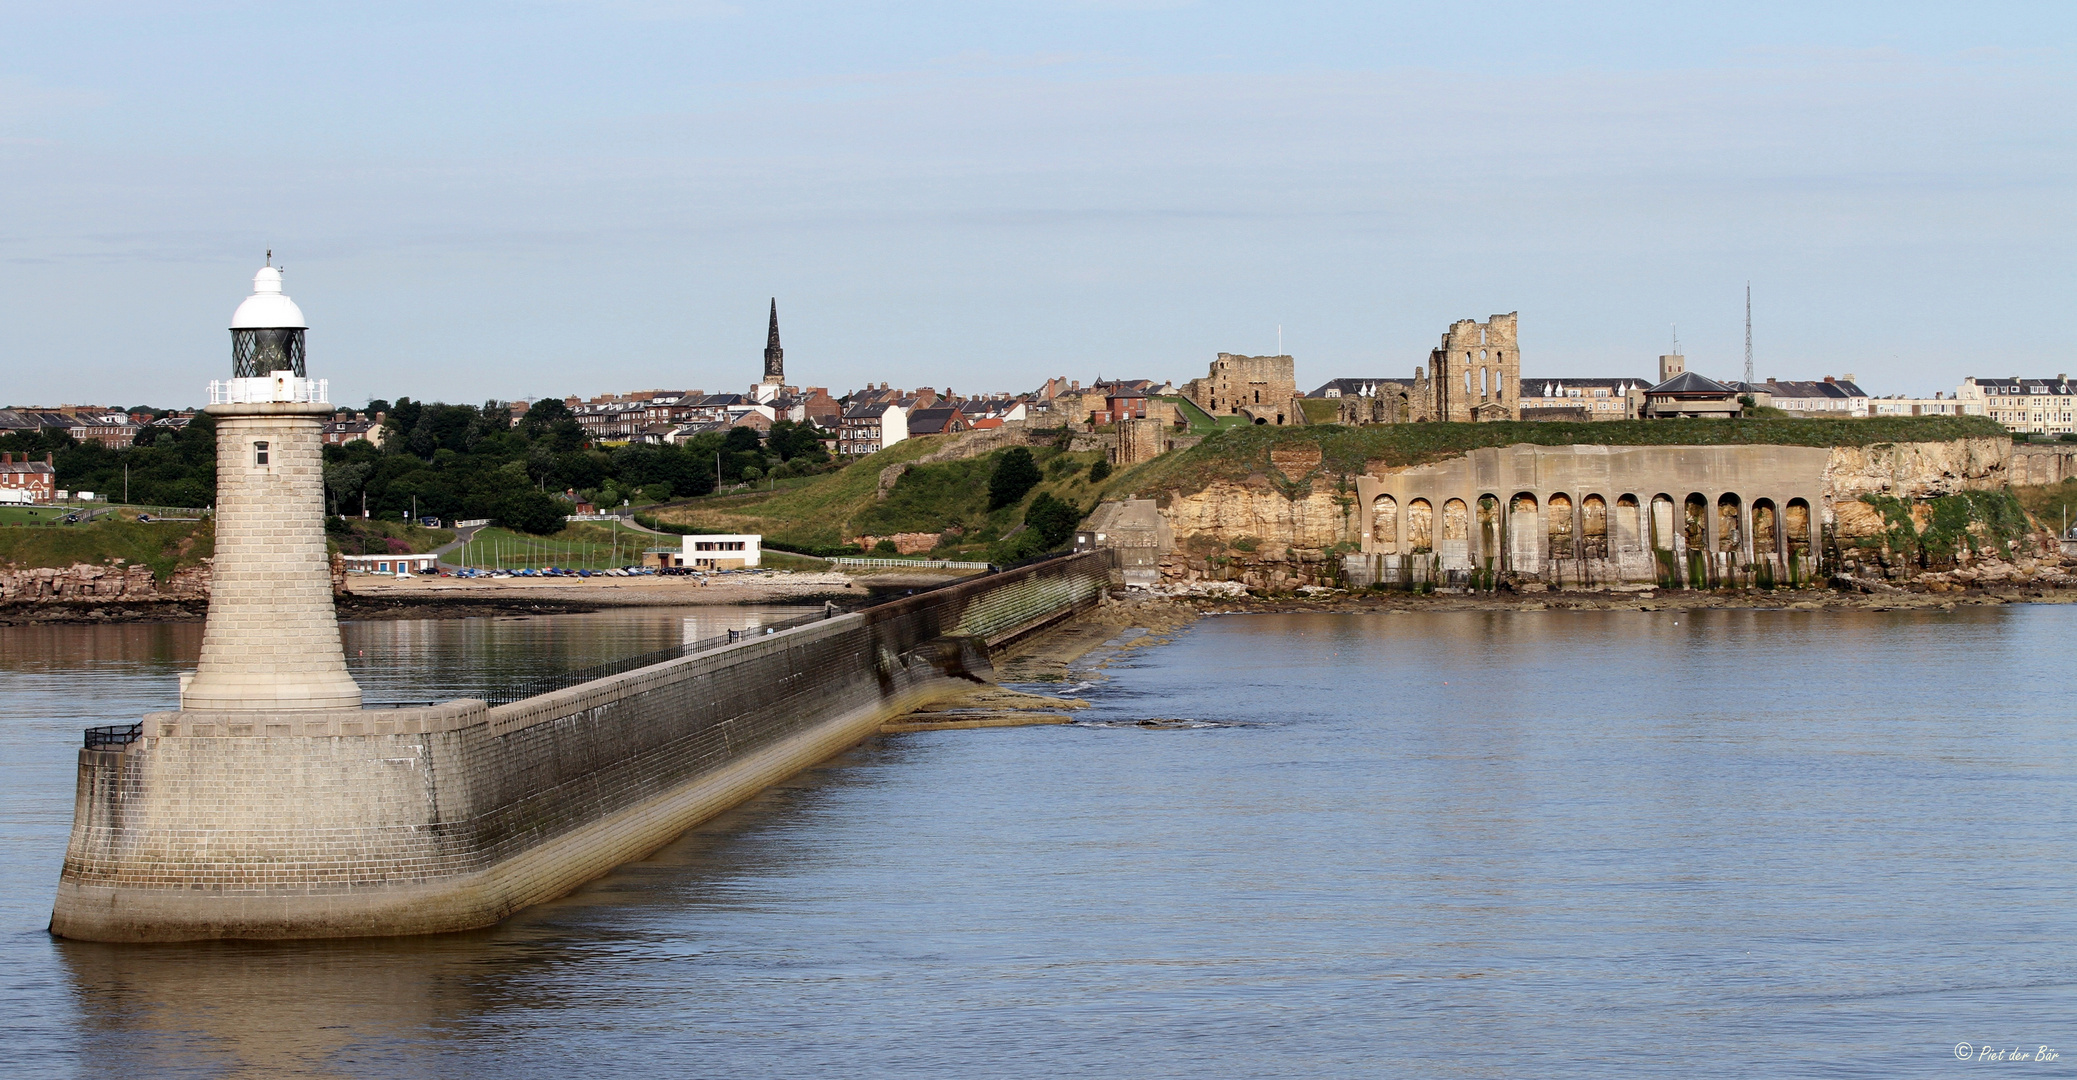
(114, 736)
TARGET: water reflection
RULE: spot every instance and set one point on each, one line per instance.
(1475, 844)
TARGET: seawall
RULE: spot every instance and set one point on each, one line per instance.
(1562, 515)
(378, 822)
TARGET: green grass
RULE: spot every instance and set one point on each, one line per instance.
(1236, 453)
(1320, 410)
(811, 515)
(164, 546)
(2053, 505)
(361, 536)
(1201, 422)
(584, 545)
(927, 498)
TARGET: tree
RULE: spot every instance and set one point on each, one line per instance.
(1054, 520)
(532, 511)
(1014, 477)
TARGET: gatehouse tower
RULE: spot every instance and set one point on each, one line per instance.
(271, 641)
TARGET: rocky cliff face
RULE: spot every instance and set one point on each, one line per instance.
(1918, 470)
(1280, 528)
(85, 581)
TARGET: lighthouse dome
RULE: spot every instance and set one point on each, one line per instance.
(267, 308)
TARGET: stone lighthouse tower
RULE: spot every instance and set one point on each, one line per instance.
(271, 642)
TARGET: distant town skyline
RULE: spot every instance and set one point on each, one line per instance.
(565, 197)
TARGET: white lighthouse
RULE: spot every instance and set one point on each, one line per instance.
(271, 642)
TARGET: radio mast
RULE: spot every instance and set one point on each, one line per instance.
(1748, 331)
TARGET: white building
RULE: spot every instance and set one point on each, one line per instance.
(721, 551)
(1937, 405)
(868, 429)
(391, 564)
(2035, 406)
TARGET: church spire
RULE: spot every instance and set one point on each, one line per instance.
(774, 356)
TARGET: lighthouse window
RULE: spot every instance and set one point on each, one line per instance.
(259, 453)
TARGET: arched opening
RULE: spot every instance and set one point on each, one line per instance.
(1420, 527)
(1488, 530)
(1593, 527)
(1730, 531)
(1694, 532)
(1560, 516)
(1663, 523)
(1795, 519)
(1766, 527)
(1384, 522)
(1455, 548)
(1523, 533)
(1456, 520)
(1628, 531)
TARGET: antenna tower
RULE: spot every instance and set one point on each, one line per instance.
(1748, 331)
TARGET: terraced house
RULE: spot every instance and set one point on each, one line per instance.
(2034, 406)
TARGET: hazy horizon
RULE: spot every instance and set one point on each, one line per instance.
(558, 197)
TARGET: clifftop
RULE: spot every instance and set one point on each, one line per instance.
(1234, 454)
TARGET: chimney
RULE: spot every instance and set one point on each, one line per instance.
(6, 459)
(1848, 377)
(1828, 378)
(46, 457)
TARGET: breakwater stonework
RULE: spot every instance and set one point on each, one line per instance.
(369, 822)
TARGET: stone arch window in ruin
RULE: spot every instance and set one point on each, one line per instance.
(1694, 532)
(1593, 527)
(1420, 526)
(1663, 529)
(1730, 532)
(1384, 522)
(1523, 533)
(1561, 526)
(1796, 523)
(1765, 527)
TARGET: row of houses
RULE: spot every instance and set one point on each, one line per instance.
(86, 423)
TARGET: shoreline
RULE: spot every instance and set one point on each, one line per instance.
(519, 597)
(1882, 598)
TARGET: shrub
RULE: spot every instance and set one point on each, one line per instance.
(1100, 472)
(885, 547)
(1015, 475)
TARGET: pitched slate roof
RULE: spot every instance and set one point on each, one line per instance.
(1689, 384)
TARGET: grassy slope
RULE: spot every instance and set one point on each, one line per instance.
(927, 498)
(1320, 410)
(1235, 453)
(812, 515)
(2051, 504)
(583, 545)
(1201, 422)
(370, 537)
(163, 546)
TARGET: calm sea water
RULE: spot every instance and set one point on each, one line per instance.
(1546, 844)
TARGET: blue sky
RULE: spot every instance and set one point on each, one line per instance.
(556, 196)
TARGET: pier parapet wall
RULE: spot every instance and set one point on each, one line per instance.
(375, 822)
